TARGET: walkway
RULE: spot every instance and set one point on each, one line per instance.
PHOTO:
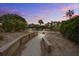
(33, 46)
(62, 46)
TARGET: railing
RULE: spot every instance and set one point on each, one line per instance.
(16, 46)
(46, 47)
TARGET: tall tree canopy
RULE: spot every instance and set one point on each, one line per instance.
(40, 22)
(70, 13)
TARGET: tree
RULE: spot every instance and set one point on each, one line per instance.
(70, 29)
(51, 25)
(47, 25)
(70, 13)
(40, 22)
(13, 22)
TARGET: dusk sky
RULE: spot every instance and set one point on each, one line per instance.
(32, 12)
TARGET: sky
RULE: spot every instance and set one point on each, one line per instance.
(32, 12)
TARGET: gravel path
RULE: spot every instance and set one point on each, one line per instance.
(62, 46)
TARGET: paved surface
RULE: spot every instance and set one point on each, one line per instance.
(62, 46)
(33, 46)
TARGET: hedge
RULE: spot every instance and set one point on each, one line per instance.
(70, 28)
(13, 22)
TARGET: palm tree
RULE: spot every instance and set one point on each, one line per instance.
(70, 13)
(48, 24)
(40, 22)
(51, 25)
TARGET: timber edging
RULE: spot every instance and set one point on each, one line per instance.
(46, 47)
(16, 46)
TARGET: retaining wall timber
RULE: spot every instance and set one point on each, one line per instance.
(46, 47)
(16, 46)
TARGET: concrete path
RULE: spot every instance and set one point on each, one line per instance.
(33, 46)
(62, 46)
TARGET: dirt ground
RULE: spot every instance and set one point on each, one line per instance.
(8, 37)
(62, 46)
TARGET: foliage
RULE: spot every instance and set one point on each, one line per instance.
(70, 28)
(54, 25)
(69, 13)
(12, 22)
(40, 22)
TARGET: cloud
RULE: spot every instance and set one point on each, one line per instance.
(38, 17)
(72, 7)
(45, 11)
(10, 11)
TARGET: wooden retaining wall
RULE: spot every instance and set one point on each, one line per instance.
(16, 46)
(46, 47)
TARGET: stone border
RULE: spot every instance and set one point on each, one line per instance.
(16, 46)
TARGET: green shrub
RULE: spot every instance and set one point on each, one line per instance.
(70, 28)
(12, 22)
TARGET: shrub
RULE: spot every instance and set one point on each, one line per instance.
(12, 22)
(70, 28)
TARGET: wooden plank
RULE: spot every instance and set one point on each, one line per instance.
(46, 41)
